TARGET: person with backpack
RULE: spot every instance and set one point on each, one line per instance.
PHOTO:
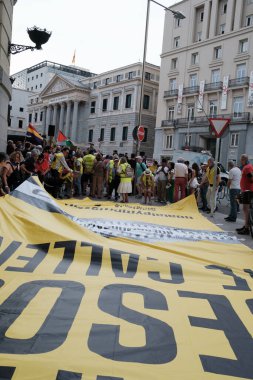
(12, 174)
(125, 186)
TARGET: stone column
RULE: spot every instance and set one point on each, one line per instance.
(74, 121)
(238, 14)
(55, 114)
(67, 126)
(230, 16)
(205, 30)
(44, 121)
(214, 18)
(61, 117)
(48, 117)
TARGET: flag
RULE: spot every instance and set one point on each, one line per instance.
(34, 135)
(61, 137)
(74, 58)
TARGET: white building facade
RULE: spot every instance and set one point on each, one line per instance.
(102, 109)
(206, 71)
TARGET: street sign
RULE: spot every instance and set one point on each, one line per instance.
(141, 133)
(218, 125)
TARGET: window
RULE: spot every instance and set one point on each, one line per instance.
(93, 107)
(147, 76)
(41, 74)
(241, 70)
(28, 80)
(201, 16)
(105, 103)
(116, 103)
(176, 42)
(213, 108)
(40, 85)
(30, 118)
(146, 101)
(37, 76)
(249, 20)
(124, 133)
(190, 112)
(198, 36)
(31, 88)
(188, 140)
(90, 137)
(102, 134)
(112, 135)
(215, 76)
(128, 101)
(193, 80)
(95, 85)
(238, 106)
(173, 63)
(118, 78)
(243, 46)
(169, 142)
(130, 75)
(36, 117)
(32, 78)
(224, 8)
(107, 80)
(177, 22)
(36, 86)
(171, 113)
(20, 123)
(41, 116)
(234, 139)
(217, 52)
(173, 84)
(21, 109)
(195, 59)
(222, 28)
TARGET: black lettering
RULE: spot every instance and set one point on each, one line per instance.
(33, 262)
(241, 283)
(249, 271)
(6, 373)
(249, 303)
(54, 330)
(176, 274)
(96, 259)
(160, 344)
(67, 375)
(117, 267)
(68, 256)
(237, 335)
(8, 252)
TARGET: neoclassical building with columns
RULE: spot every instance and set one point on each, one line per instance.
(102, 109)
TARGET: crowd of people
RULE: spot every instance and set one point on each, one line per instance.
(69, 172)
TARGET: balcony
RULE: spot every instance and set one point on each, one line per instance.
(213, 86)
(239, 82)
(236, 117)
(170, 93)
(191, 90)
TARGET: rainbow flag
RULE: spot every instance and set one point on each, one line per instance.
(33, 135)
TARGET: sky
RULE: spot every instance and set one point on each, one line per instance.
(105, 34)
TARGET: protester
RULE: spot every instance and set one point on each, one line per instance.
(246, 184)
(161, 181)
(12, 174)
(148, 184)
(3, 159)
(181, 178)
(213, 183)
(139, 169)
(125, 186)
(88, 163)
(98, 177)
(233, 185)
(203, 187)
(29, 165)
(193, 181)
(78, 171)
(113, 178)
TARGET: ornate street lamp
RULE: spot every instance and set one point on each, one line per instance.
(37, 35)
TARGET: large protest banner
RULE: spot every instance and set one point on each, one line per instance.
(103, 291)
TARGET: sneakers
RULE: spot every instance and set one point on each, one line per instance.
(243, 231)
(229, 219)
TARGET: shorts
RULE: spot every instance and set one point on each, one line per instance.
(245, 197)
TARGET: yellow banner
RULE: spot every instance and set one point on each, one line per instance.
(105, 291)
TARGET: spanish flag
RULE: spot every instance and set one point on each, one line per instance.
(33, 135)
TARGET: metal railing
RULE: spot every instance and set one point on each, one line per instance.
(170, 93)
(238, 82)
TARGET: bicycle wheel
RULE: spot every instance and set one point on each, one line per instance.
(251, 221)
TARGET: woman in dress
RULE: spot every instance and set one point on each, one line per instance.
(125, 186)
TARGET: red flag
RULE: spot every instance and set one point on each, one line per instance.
(61, 137)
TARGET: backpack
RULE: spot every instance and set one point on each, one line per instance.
(129, 172)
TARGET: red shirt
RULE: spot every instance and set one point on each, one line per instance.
(246, 183)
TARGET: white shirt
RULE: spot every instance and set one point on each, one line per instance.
(234, 175)
(181, 170)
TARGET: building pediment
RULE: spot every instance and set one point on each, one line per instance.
(57, 86)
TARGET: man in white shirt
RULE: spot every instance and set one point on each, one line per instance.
(181, 178)
(233, 184)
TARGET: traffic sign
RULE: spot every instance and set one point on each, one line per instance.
(141, 133)
(218, 125)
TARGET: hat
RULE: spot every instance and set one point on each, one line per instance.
(147, 171)
(115, 157)
(138, 157)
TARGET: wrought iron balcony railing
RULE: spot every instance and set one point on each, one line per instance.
(238, 82)
(170, 93)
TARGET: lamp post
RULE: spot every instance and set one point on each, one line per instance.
(36, 35)
(177, 15)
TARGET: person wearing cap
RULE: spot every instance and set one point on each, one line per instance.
(148, 185)
(112, 177)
